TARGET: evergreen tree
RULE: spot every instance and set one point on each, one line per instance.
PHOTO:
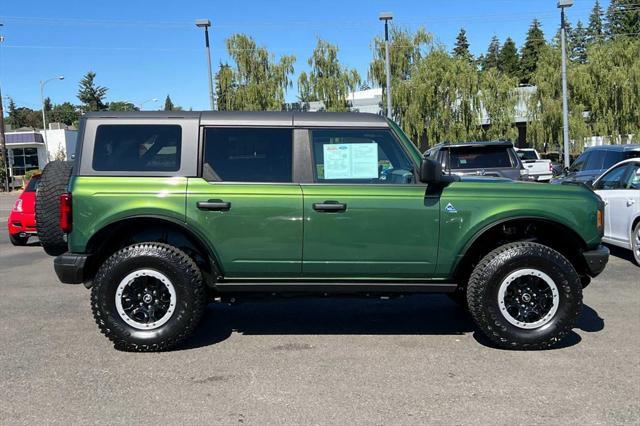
(530, 52)
(122, 106)
(508, 58)
(492, 58)
(14, 118)
(65, 113)
(595, 30)
(91, 95)
(461, 49)
(168, 104)
(578, 44)
(623, 18)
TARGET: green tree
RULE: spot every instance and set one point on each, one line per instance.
(623, 19)
(258, 82)
(91, 95)
(65, 112)
(508, 58)
(461, 49)
(122, 106)
(530, 52)
(498, 99)
(328, 81)
(168, 104)
(595, 29)
(14, 118)
(578, 42)
(492, 57)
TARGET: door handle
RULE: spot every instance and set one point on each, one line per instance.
(329, 207)
(214, 205)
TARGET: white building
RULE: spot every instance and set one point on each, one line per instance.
(26, 148)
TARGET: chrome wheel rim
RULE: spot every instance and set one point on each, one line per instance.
(636, 249)
(528, 298)
(145, 299)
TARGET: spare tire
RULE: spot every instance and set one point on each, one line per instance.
(54, 181)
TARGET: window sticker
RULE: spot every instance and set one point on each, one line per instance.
(351, 161)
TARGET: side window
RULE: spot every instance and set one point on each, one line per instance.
(359, 156)
(248, 155)
(137, 148)
(595, 161)
(634, 177)
(580, 162)
(611, 158)
(613, 179)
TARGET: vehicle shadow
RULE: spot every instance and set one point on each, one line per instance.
(621, 253)
(411, 315)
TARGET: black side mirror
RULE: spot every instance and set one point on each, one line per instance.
(431, 172)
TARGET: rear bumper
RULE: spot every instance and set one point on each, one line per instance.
(596, 260)
(22, 224)
(71, 267)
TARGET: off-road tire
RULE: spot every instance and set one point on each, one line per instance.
(17, 240)
(178, 267)
(635, 244)
(54, 182)
(482, 295)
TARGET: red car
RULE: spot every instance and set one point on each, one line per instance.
(22, 219)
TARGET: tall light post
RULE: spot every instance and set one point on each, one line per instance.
(562, 4)
(44, 117)
(386, 17)
(205, 23)
(147, 101)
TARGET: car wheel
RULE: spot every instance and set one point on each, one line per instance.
(148, 297)
(17, 240)
(525, 296)
(53, 183)
(635, 243)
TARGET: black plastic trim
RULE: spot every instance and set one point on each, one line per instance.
(596, 260)
(335, 287)
(70, 267)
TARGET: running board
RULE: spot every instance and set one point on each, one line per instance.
(335, 287)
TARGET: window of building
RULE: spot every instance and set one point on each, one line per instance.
(23, 160)
(137, 148)
(248, 155)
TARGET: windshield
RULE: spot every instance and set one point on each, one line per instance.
(479, 157)
(33, 184)
(527, 155)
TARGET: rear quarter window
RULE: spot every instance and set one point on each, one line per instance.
(137, 148)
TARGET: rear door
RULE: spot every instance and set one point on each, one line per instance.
(245, 202)
(619, 202)
(364, 214)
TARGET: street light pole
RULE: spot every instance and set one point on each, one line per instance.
(386, 17)
(144, 102)
(562, 4)
(3, 145)
(205, 23)
(44, 117)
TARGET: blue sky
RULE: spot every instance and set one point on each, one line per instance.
(146, 49)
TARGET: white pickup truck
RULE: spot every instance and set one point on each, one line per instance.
(539, 169)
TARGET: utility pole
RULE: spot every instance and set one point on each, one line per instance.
(386, 17)
(5, 159)
(205, 23)
(562, 4)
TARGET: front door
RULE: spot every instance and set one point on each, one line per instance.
(364, 215)
(246, 204)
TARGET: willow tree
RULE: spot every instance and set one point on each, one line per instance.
(498, 98)
(328, 81)
(257, 82)
(406, 50)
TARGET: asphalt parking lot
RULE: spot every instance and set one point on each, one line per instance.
(413, 360)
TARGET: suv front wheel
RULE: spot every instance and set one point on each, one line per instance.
(148, 297)
(525, 296)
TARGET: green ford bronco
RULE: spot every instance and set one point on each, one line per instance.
(164, 212)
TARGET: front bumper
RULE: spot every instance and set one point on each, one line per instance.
(596, 260)
(71, 267)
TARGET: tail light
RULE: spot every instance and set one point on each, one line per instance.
(17, 207)
(66, 216)
(550, 167)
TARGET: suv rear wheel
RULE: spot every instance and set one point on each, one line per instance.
(525, 296)
(148, 297)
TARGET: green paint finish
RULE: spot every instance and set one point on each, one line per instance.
(386, 231)
(260, 235)
(99, 201)
(482, 202)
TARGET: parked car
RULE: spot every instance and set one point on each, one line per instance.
(539, 170)
(495, 159)
(619, 187)
(163, 212)
(595, 161)
(22, 219)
